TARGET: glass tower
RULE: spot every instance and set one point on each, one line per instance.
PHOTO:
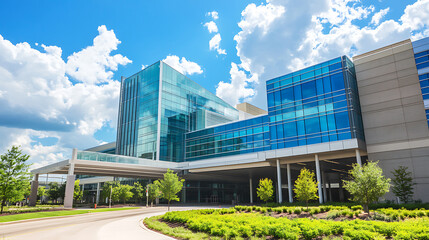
(158, 105)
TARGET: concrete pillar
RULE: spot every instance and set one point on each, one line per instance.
(324, 187)
(279, 181)
(184, 192)
(199, 192)
(318, 177)
(330, 190)
(358, 158)
(68, 199)
(340, 190)
(34, 188)
(97, 198)
(289, 183)
(251, 190)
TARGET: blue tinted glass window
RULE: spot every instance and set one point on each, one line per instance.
(337, 81)
(309, 89)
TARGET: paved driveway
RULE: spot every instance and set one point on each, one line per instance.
(115, 225)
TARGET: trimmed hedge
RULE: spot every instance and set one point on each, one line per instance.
(233, 224)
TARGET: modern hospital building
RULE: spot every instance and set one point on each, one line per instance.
(374, 106)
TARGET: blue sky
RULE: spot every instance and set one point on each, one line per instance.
(60, 60)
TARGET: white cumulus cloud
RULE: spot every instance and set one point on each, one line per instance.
(278, 36)
(379, 15)
(213, 14)
(211, 26)
(214, 44)
(92, 63)
(238, 88)
(39, 100)
(182, 65)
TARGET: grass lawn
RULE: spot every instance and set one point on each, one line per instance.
(23, 216)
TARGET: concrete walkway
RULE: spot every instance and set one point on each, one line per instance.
(116, 225)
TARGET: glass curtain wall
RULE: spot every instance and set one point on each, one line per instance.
(314, 105)
(138, 114)
(421, 56)
(181, 100)
(245, 136)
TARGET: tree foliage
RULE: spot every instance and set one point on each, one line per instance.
(169, 186)
(265, 190)
(54, 191)
(153, 192)
(41, 191)
(138, 192)
(367, 184)
(403, 184)
(14, 176)
(122, 192)
(306, 186)
(105, 192)
(77, 193)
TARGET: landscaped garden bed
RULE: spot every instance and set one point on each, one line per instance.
(324, 222)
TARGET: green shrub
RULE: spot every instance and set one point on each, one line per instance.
(356, 207)
(297, 211)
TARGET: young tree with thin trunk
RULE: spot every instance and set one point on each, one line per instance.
(403, 184)
(170, 186)
(265, 190)
(54, 191)
(41, 191)
(14, 176)
(367, 184)
(306, 186)
(153, 192)
(77, 194)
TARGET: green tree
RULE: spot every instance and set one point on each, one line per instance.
(170, 186)
(138, 192)
(265, 190)
(306, 186)
(403, 184)
(105, 192)
(122, 192)
(54, 191)
(14, 176)
(41, 191)
(367, 184)
(77, 194)
(153, 192)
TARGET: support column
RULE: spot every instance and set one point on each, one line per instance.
(289, 183)
(68, 198)
(97, 198)
(279, 181)
(325, 198)
(318, 177)
(358, 158)
(33, 192)
(330, 190)
(199, 192)
(340, 190)
(251, 190)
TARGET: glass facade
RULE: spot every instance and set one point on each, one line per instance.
(181, 104)
(251, 135)
(314, 105)
(421, 56)
(138, 114)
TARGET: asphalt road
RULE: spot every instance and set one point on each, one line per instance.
(125, 224)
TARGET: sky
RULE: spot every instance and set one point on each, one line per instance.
(61, 61)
